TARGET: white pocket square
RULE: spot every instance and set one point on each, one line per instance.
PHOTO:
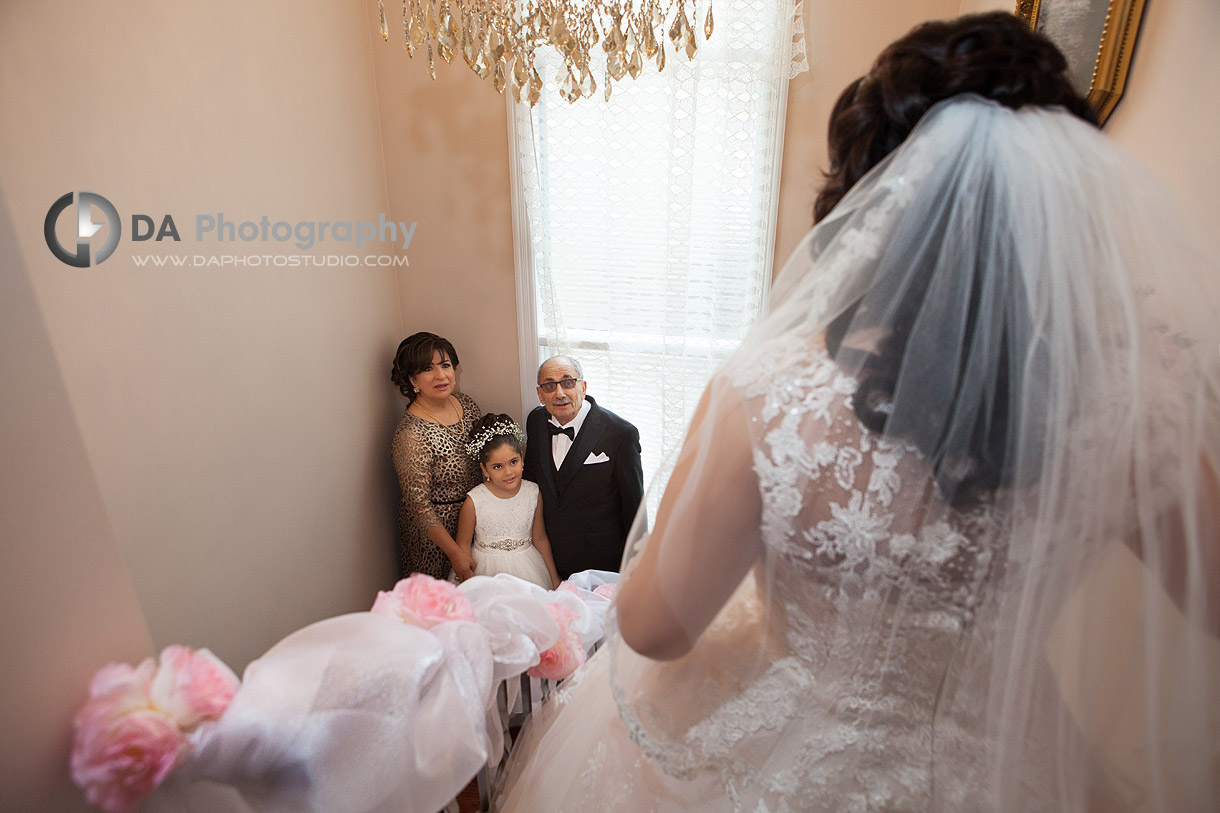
(600, 457)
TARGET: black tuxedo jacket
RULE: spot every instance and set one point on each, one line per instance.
(587, 507)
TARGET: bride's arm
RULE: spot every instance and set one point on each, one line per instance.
(706, 535)
(1189, 545)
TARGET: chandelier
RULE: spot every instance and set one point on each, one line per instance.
(499, 38)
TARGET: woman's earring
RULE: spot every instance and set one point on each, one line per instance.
(415, 388)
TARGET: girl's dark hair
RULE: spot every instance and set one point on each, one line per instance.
(995, 56)
(498, 439)
(415, 355)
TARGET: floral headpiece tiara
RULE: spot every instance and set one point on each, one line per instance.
(475, 447)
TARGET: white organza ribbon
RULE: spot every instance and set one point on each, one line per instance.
(365, 713)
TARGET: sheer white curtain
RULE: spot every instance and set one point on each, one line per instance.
(646, 244)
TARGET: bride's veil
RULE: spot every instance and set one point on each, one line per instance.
(1021, 311)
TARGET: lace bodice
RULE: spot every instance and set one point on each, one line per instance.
(504, 524)
(850, 510)
(867, 583)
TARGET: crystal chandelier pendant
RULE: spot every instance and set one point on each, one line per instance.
(417, 33)
(498, 38)
(481, 65)
(636, 66)
(406, 32)
(559, 30)
(468, 50)
(520, 78)
(570, 89)
(493, 45)
(616, 65)
(535, 92)
(431, 23)
(447, 40)
(677, 31)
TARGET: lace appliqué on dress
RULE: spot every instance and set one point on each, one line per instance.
(870, 580)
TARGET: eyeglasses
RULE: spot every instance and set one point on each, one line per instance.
(566, 383)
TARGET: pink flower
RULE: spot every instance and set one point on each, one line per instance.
(422, 601)
(118, 759)
(192, 686)
(132, 730)
(606, 591)
(566, 655)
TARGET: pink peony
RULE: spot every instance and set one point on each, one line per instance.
(606, 591)
(192, 686)
(566, 655)
(118, 759)
(422, 601)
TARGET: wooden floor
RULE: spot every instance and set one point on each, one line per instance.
(468, 799)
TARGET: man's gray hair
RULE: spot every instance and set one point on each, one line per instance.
(575, 365)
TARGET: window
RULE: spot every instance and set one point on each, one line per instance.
(645, 225)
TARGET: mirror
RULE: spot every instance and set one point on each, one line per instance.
(1096, 36)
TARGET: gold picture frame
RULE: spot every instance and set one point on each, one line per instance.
(1096, 36)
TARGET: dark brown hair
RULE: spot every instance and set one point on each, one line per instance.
(415, 355)
(994, 55)
(497, 440)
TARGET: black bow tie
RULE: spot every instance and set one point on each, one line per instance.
(562, 430)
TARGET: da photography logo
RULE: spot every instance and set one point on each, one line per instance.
(218, 229)
(86, 202)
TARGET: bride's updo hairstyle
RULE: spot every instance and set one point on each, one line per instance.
(994, 56)
(413, 357)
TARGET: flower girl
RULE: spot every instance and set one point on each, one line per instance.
(502, 517)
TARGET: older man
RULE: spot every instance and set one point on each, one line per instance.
(586, 461)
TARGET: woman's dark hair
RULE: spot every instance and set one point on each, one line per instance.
(995, 56)
(495, 424)
(415, 355)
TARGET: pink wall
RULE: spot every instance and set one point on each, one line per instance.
(196, 456)
(449, 171)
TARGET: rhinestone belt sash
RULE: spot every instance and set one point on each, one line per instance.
(503, 544)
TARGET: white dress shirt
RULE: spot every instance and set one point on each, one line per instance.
(561, 443)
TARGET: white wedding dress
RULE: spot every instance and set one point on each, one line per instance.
(938, 611)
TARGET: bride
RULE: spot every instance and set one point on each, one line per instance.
(943, 534)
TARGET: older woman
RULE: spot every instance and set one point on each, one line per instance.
(433, 468)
